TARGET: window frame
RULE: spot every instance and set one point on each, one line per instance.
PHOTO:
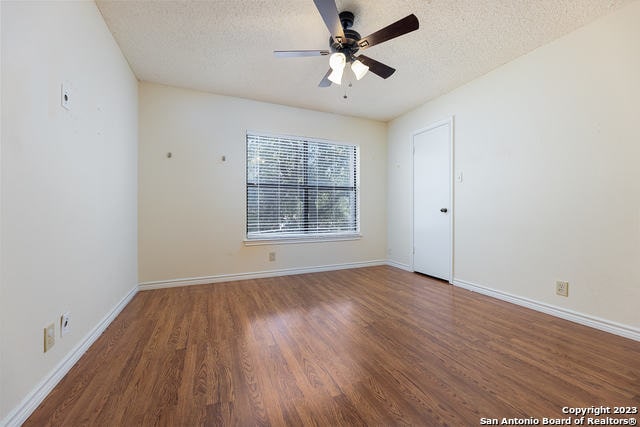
(301, 237)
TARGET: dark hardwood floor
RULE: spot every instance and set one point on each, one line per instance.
(370, 346)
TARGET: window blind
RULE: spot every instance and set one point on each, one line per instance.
(299, 187)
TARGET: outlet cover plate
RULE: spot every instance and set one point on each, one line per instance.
(562, 288)
(49, 337)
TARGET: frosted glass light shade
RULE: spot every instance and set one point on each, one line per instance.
(337, 62)
(359, 69)
(336, 76)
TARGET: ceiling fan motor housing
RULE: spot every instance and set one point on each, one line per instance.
(349, 46)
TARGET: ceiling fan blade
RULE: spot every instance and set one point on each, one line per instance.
(329, 12)
(398, 28)
(325, 82)
(377, 67)
(297, 53)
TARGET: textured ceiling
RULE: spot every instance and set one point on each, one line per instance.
(225, 47)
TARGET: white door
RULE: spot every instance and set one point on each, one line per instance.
(432, 201)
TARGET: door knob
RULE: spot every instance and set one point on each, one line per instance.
(443, 210)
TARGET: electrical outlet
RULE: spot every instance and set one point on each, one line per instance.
(65, 324)
(49, 337)
(272, 256)
(562, 288)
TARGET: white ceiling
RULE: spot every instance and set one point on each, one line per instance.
(225, 46)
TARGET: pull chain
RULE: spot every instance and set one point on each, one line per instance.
(346, 96)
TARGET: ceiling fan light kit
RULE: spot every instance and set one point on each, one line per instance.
(337, 62)
(359, 69)
(344, 43)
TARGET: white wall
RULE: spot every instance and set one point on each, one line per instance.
(549, 146)
(69, 185)
(192, 205)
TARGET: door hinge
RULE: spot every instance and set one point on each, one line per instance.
(414, 250)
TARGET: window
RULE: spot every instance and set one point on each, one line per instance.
(300, 188)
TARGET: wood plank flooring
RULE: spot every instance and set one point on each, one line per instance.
(370, 346)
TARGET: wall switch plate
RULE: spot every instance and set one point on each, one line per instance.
(272, 256)
(458, 176)
(562, 288)
(65, 324)
(65, 95)
(49, 337)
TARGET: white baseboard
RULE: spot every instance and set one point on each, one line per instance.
(399, 265)
(159, 284)
(29, 404)
(573, 316)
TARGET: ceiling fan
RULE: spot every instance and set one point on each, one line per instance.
(344, 43)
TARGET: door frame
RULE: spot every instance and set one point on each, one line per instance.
(449, 121)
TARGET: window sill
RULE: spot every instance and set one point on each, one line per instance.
(300, 239)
